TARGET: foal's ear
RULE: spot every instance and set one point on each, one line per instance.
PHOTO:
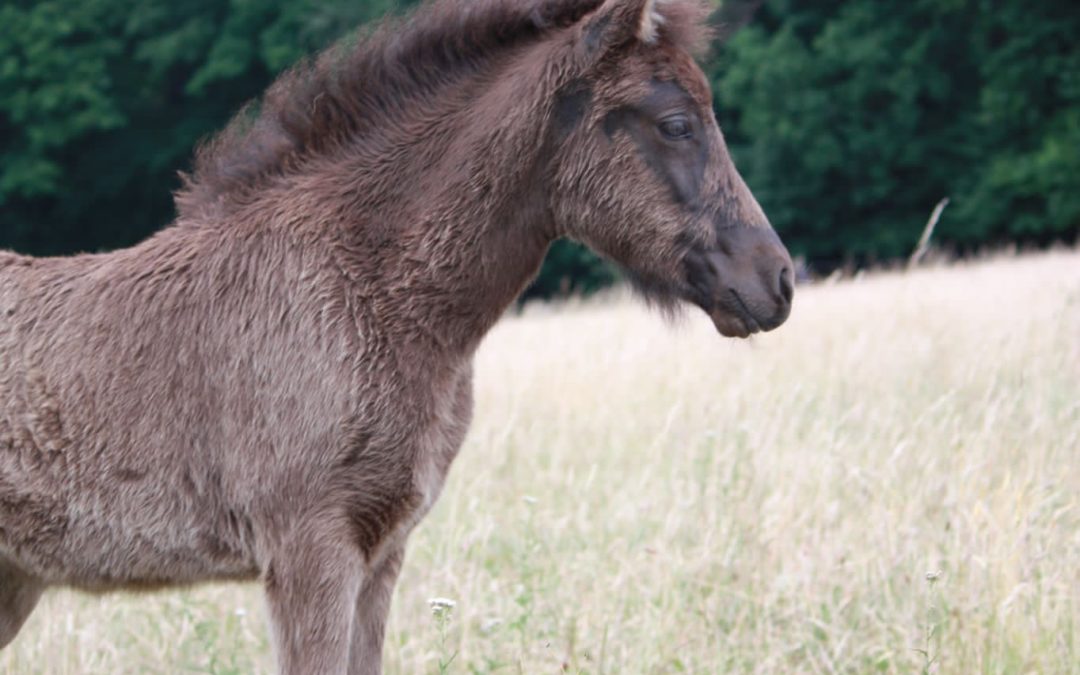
(619, 22)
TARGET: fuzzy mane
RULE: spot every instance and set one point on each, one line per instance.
(320, 105)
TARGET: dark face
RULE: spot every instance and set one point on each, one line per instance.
(647, 180)
(668, 134)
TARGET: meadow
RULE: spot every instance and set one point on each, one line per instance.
(890, 483)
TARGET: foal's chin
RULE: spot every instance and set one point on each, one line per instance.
(731, 325)
(736, 317)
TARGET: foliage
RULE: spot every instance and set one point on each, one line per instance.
(849, 120)
(102, 101)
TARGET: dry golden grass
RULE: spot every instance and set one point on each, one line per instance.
(636, 498)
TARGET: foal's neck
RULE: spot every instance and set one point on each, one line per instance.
(450, 233)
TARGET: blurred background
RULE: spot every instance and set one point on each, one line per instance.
(849, 120)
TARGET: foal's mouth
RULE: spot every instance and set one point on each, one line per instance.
(742, 312)
(732, 318)
(735, 317)
(743, 292)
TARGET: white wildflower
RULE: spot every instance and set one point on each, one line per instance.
(441, 606)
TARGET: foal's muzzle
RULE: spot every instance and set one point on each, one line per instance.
(745, 283)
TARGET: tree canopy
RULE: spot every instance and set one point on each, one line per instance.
(848, 120)
(851, 120)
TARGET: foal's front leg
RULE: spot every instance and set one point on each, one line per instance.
(372, 606)
(18, 595)
(311, 589)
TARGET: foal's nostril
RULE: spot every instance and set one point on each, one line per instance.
(787, 288)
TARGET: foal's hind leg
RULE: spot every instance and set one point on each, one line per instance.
(372, 606)
(18, 595)
(311, 588)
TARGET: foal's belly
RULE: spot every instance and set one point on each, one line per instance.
(103, 560)
(103, 539)
(96, 558)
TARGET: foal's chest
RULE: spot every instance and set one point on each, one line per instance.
(399, 482)
(437, 444)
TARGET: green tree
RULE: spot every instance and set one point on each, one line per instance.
(102, 101)
(1027, 125)
(851, 120)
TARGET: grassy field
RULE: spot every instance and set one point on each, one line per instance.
(889, 483)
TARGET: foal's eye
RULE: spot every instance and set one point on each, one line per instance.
(676, 127)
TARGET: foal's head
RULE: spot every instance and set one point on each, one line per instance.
(642, 175)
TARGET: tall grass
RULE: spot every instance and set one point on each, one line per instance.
(889, 483)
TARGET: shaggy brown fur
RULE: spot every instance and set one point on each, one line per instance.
(276, 385)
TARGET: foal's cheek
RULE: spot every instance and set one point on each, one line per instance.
(685, 182)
